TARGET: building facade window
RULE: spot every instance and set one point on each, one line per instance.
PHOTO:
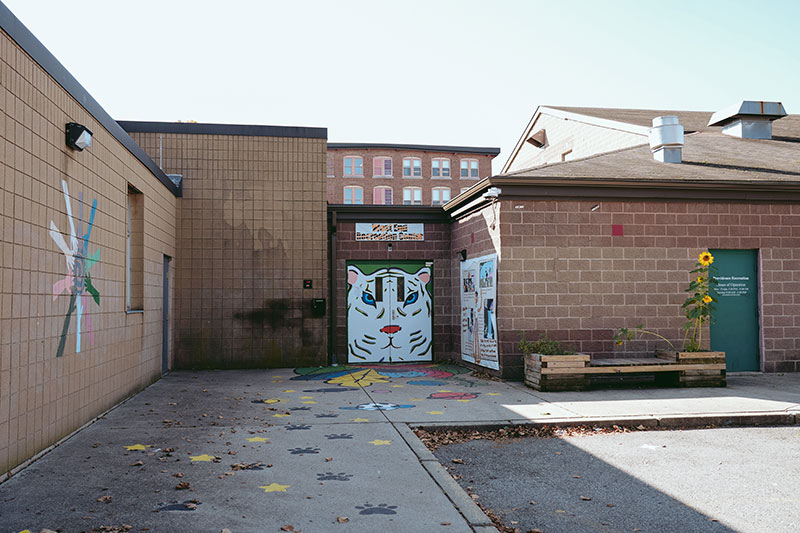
(469, 168)
(134, 251)
(382, 196)
(353, 166)
(331, 173)
(440, 168)
(412, 196)
(412, 167)
(440, 195)
(353, 195)
(382, 167)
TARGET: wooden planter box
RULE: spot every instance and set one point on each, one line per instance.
(709, 370)
(542, 381)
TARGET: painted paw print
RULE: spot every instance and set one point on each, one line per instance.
(382, 508)
(326, 416)
(299, 408)
(303, 451)
(334, 436)
(295, 427)
(330, 476)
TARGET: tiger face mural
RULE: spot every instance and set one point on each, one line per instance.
(389, 315)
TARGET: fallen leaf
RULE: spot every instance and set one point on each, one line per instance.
(183, 485)
(458, 461)
(610, 505)
(287, 528)
(445, 523)
(532, 502)
(226, 530)
(577, 477)
(328, 459)
(474, 496)
(137, 463)
(342, 519)
(104, 499)
(190, 505)
(586, 498)
(177, 474)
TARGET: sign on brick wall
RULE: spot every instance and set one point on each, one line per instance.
(387, 231)
(478, 311)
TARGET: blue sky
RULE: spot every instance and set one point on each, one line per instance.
(435, 72)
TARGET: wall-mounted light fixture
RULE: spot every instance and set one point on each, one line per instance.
(78, 136)
(462, 254)
(595, 208)
(390, 247)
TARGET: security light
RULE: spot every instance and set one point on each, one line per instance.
(78, 136)
(462, 254)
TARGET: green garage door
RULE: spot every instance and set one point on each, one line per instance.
(734, 329)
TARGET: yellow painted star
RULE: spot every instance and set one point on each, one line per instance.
(444, 390)
(493, 394)
(306, 397)
(204, 457)
(258, 439)
(417, 399)
(310, 401)
(360, 420)
(289, 390)
(274, 487)
(435, 412)
(280, 415)
(463, 401)
(398, 386)
(379, 442)
(272, 400)
(136, 447)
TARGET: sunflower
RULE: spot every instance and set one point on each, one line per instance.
(700, 279)
(707, 299)
(706, 258)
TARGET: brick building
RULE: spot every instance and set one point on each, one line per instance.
(403, 174)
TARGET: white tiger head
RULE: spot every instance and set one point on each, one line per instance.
(388, 315)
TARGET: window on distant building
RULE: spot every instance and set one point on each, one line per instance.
(331, 173)
(382, 167)
(440, 168)
(440, 195)
(412, 167)
(412, 196)
(353, 195)
(382, 195)
(353, 166)
(469, 168)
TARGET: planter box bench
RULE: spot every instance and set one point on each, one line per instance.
(574, 372)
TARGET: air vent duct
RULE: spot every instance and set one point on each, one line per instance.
(666, 139)
(748, 119)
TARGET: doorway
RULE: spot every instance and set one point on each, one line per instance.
(165, 317)
(389, 311)
(735, 325)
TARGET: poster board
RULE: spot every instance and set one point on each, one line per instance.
(478, 287)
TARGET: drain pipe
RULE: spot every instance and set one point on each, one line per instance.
(332, 297)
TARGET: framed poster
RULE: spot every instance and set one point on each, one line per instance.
(479, 311)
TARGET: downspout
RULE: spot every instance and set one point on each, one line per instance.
(332, 297)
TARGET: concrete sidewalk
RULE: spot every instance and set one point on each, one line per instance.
(324, 450)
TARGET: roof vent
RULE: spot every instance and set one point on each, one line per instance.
(666, 139)
(748, 119)
(538, 139)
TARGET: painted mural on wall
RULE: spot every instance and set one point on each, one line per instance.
(77, 282)
(478, 311)
(389, 312)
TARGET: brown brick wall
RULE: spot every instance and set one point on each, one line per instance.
(564, 274)
(436, 248)
(335, 185)
(44, 397)
(251, 228)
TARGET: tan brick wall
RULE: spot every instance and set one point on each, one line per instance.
(44, 397)
(564, 274)
(251, 228)
(580, 138)
(335, 185)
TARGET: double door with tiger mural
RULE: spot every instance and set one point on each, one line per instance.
(389, 311)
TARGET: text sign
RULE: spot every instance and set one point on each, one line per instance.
(732, 285)
(370, 231)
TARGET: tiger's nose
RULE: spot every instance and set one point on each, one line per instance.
(390, 329)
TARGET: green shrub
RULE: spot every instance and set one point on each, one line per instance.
(543, 346)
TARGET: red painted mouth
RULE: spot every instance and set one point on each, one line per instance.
(391, 330)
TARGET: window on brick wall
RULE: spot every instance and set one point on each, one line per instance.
(382, 167)
(353, 166)
(331, 172)
(412, 196)
(353, 195)
(469, 168)
(440, 195)
(440, 168)
(134, 251)
(382, 195)
(412, 167)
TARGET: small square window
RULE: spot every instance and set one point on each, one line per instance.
(382, 167)
(440, 168)
(353, 166)
(412, 196)
(440, 195)
(412, 167)
(382, 196)
(353, 195)
(469, 168)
